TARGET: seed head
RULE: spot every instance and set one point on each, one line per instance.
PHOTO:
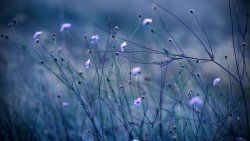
(154, 7)
(191, 11)
(14, 21)
(85, 37)
(89, 51)
(108, 80)
(190, 91)
(243, 44)
(42, 62)
(152, 30)
(198, 74)
(169, 39)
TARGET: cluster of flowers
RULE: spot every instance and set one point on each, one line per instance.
(195, 101)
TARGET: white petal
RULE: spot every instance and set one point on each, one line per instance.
(65, 26)
(94, 39)
(138, 101)
(87, 64)
(147, 21)
(196, 101)
(135, 71)
(123, 45)
(216, 81)
(65, 104)
(37, 34)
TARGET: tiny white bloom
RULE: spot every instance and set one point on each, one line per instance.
(123, 45)
(65, 104)
(65, 26)
(216, 81)
(138, 101)
(37, 34)
(94, 39)
(135, 71)
(147, 21)
(196, 101)
(87, 64)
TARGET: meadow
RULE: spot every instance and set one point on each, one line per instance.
(125, 70)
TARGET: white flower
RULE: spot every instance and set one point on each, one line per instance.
(147, 21)
(65, 104)
(37, 34)
(196, 101)
(87, 64)
(123, 45)
(138, 101)
(65, 26)
(135, 71)
(216, 81)
(94, 39)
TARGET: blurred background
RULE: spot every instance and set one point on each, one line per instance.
(26, 85)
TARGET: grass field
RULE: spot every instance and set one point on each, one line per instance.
(124, 70)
